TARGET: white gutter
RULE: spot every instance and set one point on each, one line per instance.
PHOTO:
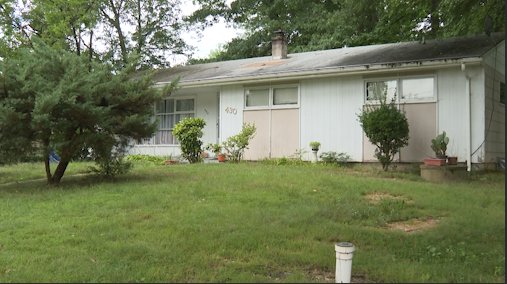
(469, 117)
(323, 72)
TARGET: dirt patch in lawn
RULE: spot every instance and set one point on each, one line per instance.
(377, 197)
(414, 225)
(329, 277)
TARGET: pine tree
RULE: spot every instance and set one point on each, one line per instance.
(52, 99)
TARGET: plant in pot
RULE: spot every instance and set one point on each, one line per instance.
(315, 145)
(217, 150)
(439, 146)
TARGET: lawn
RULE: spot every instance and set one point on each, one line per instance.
(248, 222)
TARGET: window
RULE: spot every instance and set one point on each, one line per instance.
(404, 89)
(285, 96)
(381, 89)
(417, 89)
(276, 96)
(502, 93)
(168, 112)
(257, 97)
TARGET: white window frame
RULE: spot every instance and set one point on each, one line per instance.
(271, 97)
(399, 89)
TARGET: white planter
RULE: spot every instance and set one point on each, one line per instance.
(315, 157)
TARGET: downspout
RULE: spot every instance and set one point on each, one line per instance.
(469, 118)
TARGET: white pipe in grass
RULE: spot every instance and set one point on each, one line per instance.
(344, 254)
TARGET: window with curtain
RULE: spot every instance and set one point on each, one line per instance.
(168, 112)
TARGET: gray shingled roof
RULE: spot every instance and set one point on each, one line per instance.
(392, 53)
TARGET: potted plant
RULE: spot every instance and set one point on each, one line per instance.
(452, 160)
(315, 145)
(217, 150)
(439, 146)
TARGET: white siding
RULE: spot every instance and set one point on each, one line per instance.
(231, 111)
(329, 109)
(452, 110)
(206, 107)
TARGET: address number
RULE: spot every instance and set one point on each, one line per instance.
(231, 110)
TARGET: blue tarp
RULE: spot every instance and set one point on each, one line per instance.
(53, 157)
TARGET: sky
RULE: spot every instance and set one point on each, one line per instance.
(212, 37)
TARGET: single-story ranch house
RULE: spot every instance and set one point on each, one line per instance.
(455, 85)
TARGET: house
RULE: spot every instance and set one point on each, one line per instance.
(455, 85)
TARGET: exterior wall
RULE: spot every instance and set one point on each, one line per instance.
(452, 111)
(494, 73)
(259, 146)
(329, 109)
(422, 123)
(231, 111)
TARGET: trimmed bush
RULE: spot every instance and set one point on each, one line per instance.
(387, 128)
(189, 132)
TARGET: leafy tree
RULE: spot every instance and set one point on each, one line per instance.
(54, 99)
(189, 132)
(387, 128)
(157, 27)
(325, 24)
(105, 30)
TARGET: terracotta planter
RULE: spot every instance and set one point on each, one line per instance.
(434, 162)
(221, 157)
(452, 160)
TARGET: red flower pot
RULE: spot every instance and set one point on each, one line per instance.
(434, 162)
(221, 157)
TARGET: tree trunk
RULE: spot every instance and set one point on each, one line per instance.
(90, 49)
(117, 26)
(140, 39)
(435, 18)
(59, 172)
(48, 169)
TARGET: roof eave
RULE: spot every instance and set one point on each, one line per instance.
(326, 72)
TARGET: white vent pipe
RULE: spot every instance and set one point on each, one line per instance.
(344, 254)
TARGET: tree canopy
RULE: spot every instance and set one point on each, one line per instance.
(325, 24)
(105, 30)
(54, 99)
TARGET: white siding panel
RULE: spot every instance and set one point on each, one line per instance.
(329, 109)
(452, 110)
(231, 121)
(156, 150)
(206, 107)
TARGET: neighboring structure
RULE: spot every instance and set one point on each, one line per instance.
(456, 85)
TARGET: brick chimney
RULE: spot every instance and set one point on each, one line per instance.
(279, 45)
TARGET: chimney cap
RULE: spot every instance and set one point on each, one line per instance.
(279, 33)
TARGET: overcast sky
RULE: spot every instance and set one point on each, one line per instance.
(212, 37)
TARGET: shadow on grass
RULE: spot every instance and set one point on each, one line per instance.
(87, 181)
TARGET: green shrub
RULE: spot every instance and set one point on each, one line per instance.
(236, 145)
(146, 158)
(188, 132)
(334, 158)
(387, 128)
(112, 165)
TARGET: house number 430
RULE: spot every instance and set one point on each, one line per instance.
(231, 110)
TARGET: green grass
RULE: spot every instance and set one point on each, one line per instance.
(251, 222)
